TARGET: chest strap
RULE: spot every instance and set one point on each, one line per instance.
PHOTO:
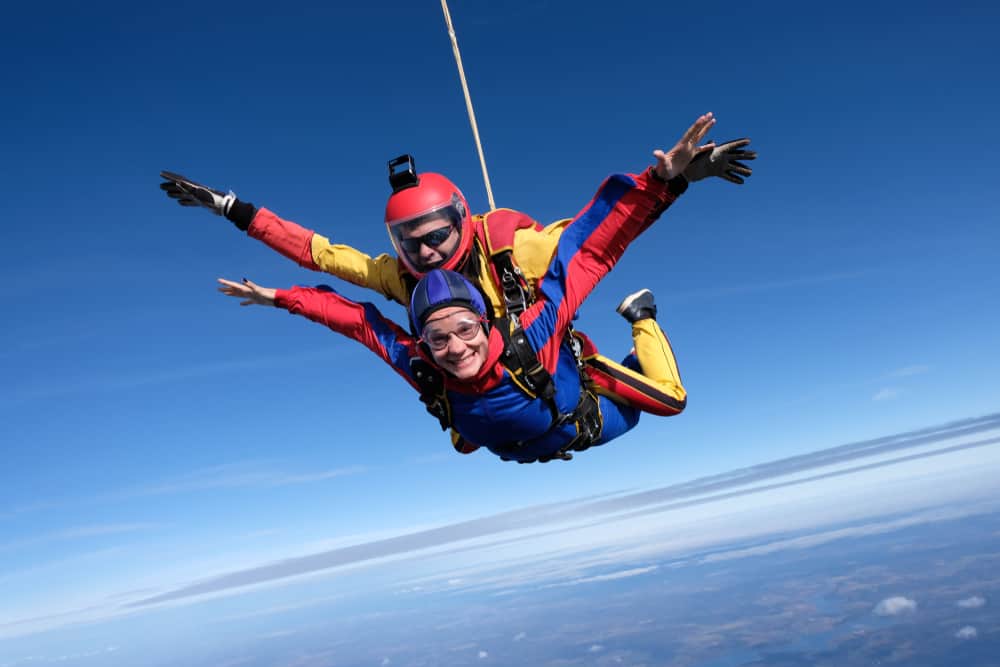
(522, 362)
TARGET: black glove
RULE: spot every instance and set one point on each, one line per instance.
(722, 161)
(189, 193)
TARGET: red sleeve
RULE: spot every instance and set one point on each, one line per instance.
(361, 321)
(291, 240)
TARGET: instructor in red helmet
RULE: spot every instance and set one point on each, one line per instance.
(428, 220)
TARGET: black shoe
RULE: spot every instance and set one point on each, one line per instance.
(637, 306)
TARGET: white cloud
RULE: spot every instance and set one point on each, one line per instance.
(968, 632)
(895, 605)
(907, 371)
(885, 394)
(483, 655)
(386, 661)
(975, 602)
(78, 532)
(237, 475)
(519, 636)
(624, 574)
(595, 648)
(67, 657)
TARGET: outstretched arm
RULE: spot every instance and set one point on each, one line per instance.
(624, 206)
(301, 245)
(361, 321)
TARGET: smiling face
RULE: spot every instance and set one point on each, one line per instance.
(445, 328)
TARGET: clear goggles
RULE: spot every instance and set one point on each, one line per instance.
(464, 326)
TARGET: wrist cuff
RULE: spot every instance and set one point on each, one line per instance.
(241, 214)
(677, 185)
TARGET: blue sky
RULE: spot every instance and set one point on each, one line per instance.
(154, 433)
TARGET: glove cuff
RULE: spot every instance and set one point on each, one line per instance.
(678, 184)
(241, 214)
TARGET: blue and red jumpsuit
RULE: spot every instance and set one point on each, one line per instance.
(490, 410)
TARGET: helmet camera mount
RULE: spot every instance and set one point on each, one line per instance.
(403, 178)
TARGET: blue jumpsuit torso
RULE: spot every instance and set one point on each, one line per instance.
(505, 416)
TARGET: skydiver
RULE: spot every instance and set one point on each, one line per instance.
(511, 385)
(430, 227)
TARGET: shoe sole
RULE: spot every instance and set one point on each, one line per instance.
(627, 301)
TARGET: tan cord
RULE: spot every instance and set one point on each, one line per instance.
(468, 101)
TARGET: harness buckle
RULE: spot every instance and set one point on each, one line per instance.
(513, 292)
(588, 422)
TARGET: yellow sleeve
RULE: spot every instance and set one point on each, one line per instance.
(533, 250)
(381, 273)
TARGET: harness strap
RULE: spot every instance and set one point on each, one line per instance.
(589, 424)
(523, 365)
(514, 286)
(431, 383)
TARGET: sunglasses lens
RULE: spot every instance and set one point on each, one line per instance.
(430, 239)
(437, 237)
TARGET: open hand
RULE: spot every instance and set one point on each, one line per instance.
(251, 292)
(673, 162)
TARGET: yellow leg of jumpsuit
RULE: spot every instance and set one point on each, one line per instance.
(657, 389)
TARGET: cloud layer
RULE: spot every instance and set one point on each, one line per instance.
(737, 483)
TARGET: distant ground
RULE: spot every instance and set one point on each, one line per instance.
(920, 596)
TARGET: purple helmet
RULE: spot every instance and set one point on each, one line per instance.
(439, 289)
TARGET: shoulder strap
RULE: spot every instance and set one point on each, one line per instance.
(497, 231)
(517, 293)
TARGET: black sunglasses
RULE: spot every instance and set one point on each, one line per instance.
(430, 239)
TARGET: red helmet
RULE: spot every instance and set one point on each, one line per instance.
(428, 220)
